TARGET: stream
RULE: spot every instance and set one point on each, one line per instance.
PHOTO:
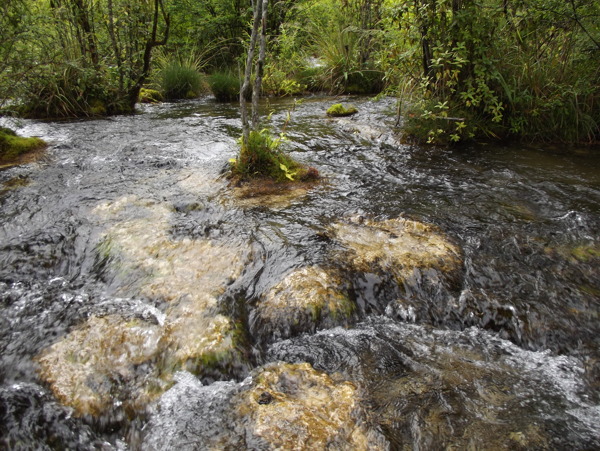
(414, 298)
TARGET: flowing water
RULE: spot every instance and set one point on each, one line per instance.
(415, 298)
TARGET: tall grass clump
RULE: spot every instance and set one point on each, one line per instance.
(179, 76)
(225, 86)
(342, 66)
(179, 81)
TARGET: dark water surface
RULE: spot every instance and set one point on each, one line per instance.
(130, 218)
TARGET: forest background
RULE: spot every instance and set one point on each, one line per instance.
(460, 69)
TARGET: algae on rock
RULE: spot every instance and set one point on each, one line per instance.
(397, 245)
(293, 406)
(187, 275)
(306, 298)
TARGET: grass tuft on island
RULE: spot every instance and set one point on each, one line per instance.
(339, 110)
(262, 158)
(12, 146)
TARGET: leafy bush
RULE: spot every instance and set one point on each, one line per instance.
(278, 83)
(525, 72)
(225, 86)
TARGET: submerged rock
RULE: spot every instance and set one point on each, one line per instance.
(397, 246)
(305, 299)
(109, 362)
(295, 407)
(436, 389)
(103, 364)
(281, 406)
(400, 259)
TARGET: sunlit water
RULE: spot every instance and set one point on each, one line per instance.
(128, 226)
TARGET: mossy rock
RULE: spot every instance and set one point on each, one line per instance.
(13, 146)
(292, 404)
(150, 96)
(397, 246)
(339, 110)
(305, 299)
(98, 108)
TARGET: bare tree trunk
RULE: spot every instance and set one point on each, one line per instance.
(248, 72)
(115, 44)
(260, 65)
(87, 37)
(152, 42)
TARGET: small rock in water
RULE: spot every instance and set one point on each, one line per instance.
(305, 299)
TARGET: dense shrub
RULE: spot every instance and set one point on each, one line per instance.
(69, 90)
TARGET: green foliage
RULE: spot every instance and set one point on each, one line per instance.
(276, 82)
(338, 110)
(225, 86)
(180, 81)
(262, 157)
(217, 25)
(522, 70)
(11, 145)
(68, 90)
(338, 47)
(69, 58)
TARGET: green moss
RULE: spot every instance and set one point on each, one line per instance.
(12, 146)
(150, 96)
(97, 108)
(338, 110)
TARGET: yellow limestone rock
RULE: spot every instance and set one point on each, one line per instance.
(94, 364)
(304, 297)
(86, 367)
(397, 246)
(294, 407)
